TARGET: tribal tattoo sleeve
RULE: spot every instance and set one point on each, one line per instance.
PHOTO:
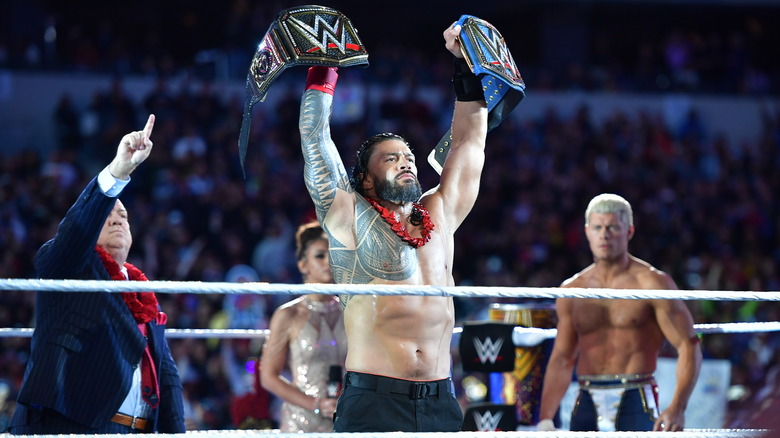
(324, 171)
(377, 252)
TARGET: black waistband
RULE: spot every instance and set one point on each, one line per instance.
(388, 385)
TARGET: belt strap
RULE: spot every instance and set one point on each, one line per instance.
(134, 423)
(616, 380)
(388, 385)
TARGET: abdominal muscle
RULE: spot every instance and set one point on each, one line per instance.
(406, 337)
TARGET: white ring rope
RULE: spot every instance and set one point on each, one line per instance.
(730, 327)
(196, 287)
(169, 333)
(537, 334)
(687, 433)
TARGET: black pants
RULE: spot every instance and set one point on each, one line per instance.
(372, 403)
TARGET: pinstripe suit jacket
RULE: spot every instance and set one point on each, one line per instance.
(86, 345)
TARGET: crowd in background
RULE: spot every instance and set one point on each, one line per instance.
(615, 46)
(705, 209)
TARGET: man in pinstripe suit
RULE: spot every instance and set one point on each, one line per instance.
(90, 370)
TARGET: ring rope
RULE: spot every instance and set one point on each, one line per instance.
(687, 433)
(197, 287)
(169, 333)
(729, 327)
(252, 288)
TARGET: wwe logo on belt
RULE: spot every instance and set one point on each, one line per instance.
(488, 421)
(494, 43)
(488, 350)
(324, 36)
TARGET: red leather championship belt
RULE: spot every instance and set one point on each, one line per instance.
(303, 35)
(488, 57)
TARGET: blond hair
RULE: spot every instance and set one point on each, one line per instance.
(607, 203)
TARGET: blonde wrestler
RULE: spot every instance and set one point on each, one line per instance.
(614, 344)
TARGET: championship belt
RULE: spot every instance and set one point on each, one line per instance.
(303, 35)
(486, 53)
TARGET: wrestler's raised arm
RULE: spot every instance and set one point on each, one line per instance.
(324, 173)
(460, 175)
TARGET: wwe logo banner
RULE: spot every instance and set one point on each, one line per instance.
(487, 350)
(304, 35)
(487, 421)
(487, 347)
(489, 417)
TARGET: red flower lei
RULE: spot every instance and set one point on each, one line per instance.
(400, 229)
(143, 305)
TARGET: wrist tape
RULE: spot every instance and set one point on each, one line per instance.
(322, 78)
(468, 87)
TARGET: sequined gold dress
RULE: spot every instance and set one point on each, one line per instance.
(321, 343)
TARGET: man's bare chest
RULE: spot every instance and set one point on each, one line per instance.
(592, 315)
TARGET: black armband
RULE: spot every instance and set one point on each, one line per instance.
(468, 87)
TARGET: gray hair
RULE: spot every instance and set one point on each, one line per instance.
(610, 203)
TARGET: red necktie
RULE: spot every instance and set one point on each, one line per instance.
(150, 392)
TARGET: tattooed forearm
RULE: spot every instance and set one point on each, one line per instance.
(323, 170)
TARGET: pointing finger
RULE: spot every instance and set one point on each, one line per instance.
(149, 125)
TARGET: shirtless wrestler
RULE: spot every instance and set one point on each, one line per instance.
(383, 230)
(614, 344)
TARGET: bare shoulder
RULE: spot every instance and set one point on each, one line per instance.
(580, 279)
(288, 310)
(341, 214)
(650, 277)
(433, 201)
(431, 193)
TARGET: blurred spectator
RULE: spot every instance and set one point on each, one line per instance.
(66, 119)
(7, 403)
(649, 49)
(251, 410)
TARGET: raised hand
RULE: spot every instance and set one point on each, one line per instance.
(133, 149)
(451, 40)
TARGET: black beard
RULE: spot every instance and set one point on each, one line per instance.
(398, 193)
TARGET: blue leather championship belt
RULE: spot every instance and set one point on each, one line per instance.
(303, 35)
(488, 57)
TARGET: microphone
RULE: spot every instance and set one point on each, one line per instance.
(333, 385)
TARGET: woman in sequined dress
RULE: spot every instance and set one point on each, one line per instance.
(307, 336)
